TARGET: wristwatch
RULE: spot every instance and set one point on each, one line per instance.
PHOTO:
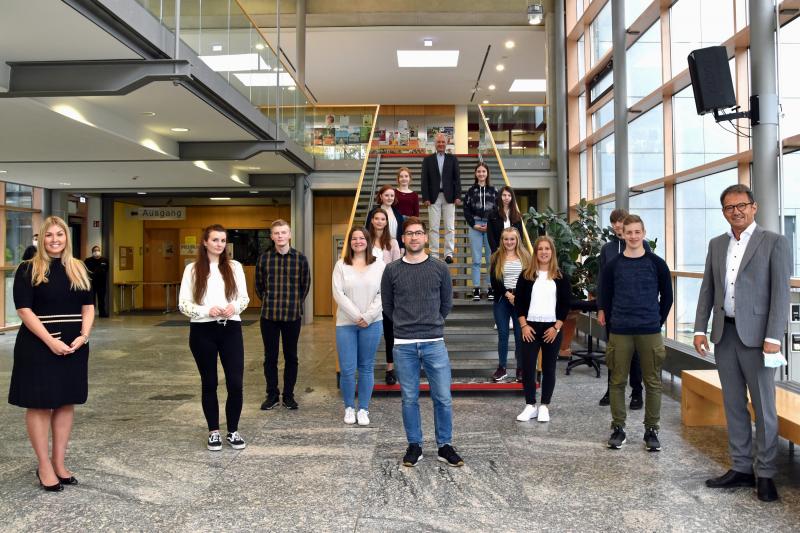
(85, 338)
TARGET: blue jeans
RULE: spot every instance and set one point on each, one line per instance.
(356, 347)
(503, 312)
(479, 241)
(432, 356)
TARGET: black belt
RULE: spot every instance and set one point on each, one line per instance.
(730, 320)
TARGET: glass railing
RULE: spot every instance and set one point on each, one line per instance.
(519, 130)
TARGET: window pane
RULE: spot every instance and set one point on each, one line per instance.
(687, 291)
(698, 218)
(601, 33)
(650, 206)
(600, 87)
(698, 139)
(11, 311)
(603, 161)
(582, 116)
(604, 213)
(603, 116)
(695, 24)
(791, 205)
(581, 57)
(584, 178)
(578, 9)
(19, 195)
(646, 147)
(634, 8)
(644, 64)
(789, 78)
(19, 233)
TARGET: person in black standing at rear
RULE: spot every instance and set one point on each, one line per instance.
(97, 265)
(441, 193)
(282, 283)
(479, 201)
(30, 251)
(506, 215)
(53, 297)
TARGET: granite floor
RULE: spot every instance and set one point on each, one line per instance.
(138, 448)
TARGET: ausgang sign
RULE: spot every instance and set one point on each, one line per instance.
(159, 213)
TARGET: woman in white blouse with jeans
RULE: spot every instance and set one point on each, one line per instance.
(213, 294)
(356, 289)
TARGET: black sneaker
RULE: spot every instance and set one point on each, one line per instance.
(448, 455)
(519, 375)
(604, 400)
(651, 442)
(636, 402)
(214, 442)
(413, 455)
(476, 294)
(289, 403)
(617, 438)
(269, 403)
(391, 379)
(490, 295)
(449, 259)
(499, 374)
(236, 441)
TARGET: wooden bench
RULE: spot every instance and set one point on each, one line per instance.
(701, 404)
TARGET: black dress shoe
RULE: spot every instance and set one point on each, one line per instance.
(49, 488)
(448, 259)
(604, 400)
(269, 403)
(636, 403)
(390, 377)
(765, 489)
(731, 479)
(67, 480)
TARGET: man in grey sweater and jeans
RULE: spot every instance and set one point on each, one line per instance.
(417, 293)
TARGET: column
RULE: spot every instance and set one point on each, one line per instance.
(618, 37)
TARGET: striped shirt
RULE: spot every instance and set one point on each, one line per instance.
(511, 272)
(282, 283)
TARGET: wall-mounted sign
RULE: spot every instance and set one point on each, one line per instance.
(158, 213)
(126, 258)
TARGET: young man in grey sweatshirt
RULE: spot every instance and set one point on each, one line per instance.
(417, 293)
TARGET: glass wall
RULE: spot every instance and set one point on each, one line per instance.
(699, 139)
(634, 8)
(604, 166)
(603, 116)
(601, 34)
(695, 24)
(790, 78)
(643, 61)
(646, 147)
(791, 205)
(650, 206)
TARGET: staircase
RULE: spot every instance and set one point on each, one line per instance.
(469, 329)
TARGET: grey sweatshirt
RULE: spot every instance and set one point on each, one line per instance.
(417, 297)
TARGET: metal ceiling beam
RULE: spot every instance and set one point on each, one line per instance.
(227, 150)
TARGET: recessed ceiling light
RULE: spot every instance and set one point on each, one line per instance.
(259, 46)
(202, 165)
(152, 145)
(82, 199)
(264, 79)
(253, 192)
(148, 113)
(486, 101)
(492, 87)
(219, 198)
(428, 42)
(64, 183)
(141, 193)
(291, 87)
(216, 48)
(70, 112)
(500, 67)
(3, 171)
(179, 130)
(253, 168)
(427, 58)
(528, 86)
(509, 44)
(235, 62)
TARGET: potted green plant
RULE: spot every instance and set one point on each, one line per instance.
(578, 245)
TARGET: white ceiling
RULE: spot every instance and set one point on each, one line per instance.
(359, 65)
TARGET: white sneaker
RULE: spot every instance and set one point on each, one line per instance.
(363, 417)
(544, 414)
(528, 413)
(349, 415)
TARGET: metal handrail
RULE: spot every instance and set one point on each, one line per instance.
(374, 182)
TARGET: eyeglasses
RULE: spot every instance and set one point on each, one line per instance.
(414, 233)
(728, 209)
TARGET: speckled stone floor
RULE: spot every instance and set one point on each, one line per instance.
(138, 448)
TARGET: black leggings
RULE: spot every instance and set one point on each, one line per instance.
(388, 337)
(530, 353)
(206, 339)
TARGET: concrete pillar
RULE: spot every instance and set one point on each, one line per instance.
(618, 37)
(763, 79)
(460, 127)
(558, 112)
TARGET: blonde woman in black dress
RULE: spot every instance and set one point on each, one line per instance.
(53, 297)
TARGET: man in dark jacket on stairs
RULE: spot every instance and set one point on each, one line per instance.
(441, 193)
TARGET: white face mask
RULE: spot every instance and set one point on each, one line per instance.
(96, 253)
(36, 242)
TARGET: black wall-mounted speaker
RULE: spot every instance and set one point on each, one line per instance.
(711, 79)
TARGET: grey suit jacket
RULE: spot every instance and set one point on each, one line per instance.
(762, 288)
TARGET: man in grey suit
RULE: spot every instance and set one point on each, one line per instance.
(746, 285)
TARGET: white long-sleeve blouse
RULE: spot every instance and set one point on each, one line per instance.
(357, 294)
(215, 293)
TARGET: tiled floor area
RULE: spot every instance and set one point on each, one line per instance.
(138, 449)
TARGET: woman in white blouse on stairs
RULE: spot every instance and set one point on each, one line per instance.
(213, 294)
(356, 289)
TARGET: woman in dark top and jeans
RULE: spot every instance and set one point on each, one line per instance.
(506, 215)
(542, 302)
(479, 201)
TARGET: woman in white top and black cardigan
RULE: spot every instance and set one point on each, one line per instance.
(542, 302)
(359, 321)
(213, 294)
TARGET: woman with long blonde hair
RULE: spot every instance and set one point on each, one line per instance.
(53, 297)
(542, 303)
(505, 266)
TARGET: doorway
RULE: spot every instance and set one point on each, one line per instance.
(161, 264)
